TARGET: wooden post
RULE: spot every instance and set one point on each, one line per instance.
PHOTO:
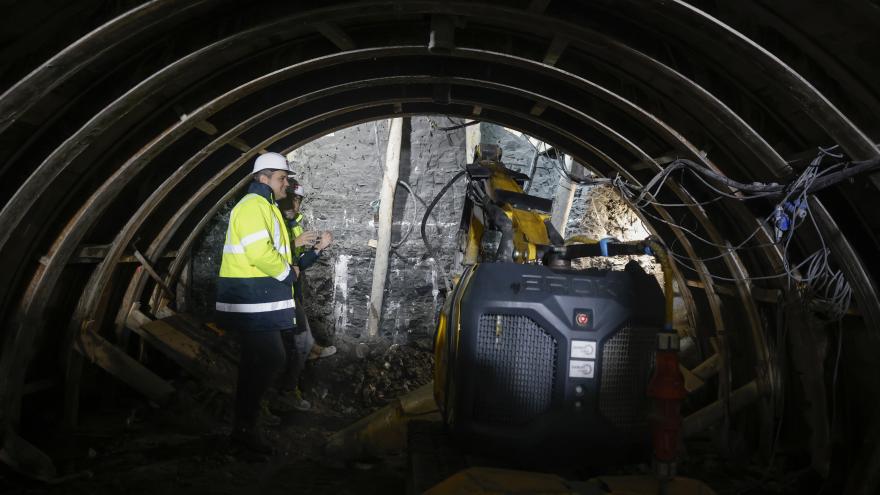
(386, 206)
(471, 140)
(184, 285)
(565, 196)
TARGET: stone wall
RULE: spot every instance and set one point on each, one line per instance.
(341, 174)
(518, 153)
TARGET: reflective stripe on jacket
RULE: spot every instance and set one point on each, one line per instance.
(255, 287)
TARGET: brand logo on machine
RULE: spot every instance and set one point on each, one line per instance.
(555, 284)
(583, 319)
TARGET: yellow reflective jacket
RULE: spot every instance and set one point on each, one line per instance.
(255, 286)
(296, 230)
(304, 256)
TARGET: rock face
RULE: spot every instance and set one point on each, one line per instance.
(342, 174)
(518, 154)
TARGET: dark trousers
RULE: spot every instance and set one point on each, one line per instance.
(262, 357)
(298, 343)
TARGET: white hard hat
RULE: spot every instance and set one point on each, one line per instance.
(270, 160)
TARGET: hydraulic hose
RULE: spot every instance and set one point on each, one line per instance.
(411, 227)
(503, 222)
(431, 207)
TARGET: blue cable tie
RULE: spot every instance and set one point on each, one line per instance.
(796, 208)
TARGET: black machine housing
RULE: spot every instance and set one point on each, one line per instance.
(552, 358)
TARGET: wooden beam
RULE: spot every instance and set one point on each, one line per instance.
(96, 253)
(442, 37)
(649, 165)
(206, 127)
(565, 197)
(336, 35)
(184, 286)
(538, 109)
(169, 337)
(759, 293)
(240, 145)
(554, 51)
(691, 381)
(122, 366)
(153, 273)
(697, 377)
(708, 368)
(765, 295)
(202, 125)
(25, 458)
(386, 208)
(808, 348)
(472, 138)
(770, 296)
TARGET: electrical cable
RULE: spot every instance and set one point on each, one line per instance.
(412, 224)
(813, 275)
(532, 170)
(459, 126)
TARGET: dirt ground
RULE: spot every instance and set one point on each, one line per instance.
(136, 448)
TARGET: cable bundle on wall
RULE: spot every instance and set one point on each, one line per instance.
(813, 276)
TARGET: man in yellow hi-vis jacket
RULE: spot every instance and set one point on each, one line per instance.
(255, 291)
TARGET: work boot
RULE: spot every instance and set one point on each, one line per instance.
(319, 352)
(266, 416)
(252, 438)
(293, 398)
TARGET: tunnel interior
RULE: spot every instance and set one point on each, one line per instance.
(126, 126)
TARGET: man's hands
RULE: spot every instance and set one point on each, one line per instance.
(324, 240)
(318, 240)
(306, 239)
